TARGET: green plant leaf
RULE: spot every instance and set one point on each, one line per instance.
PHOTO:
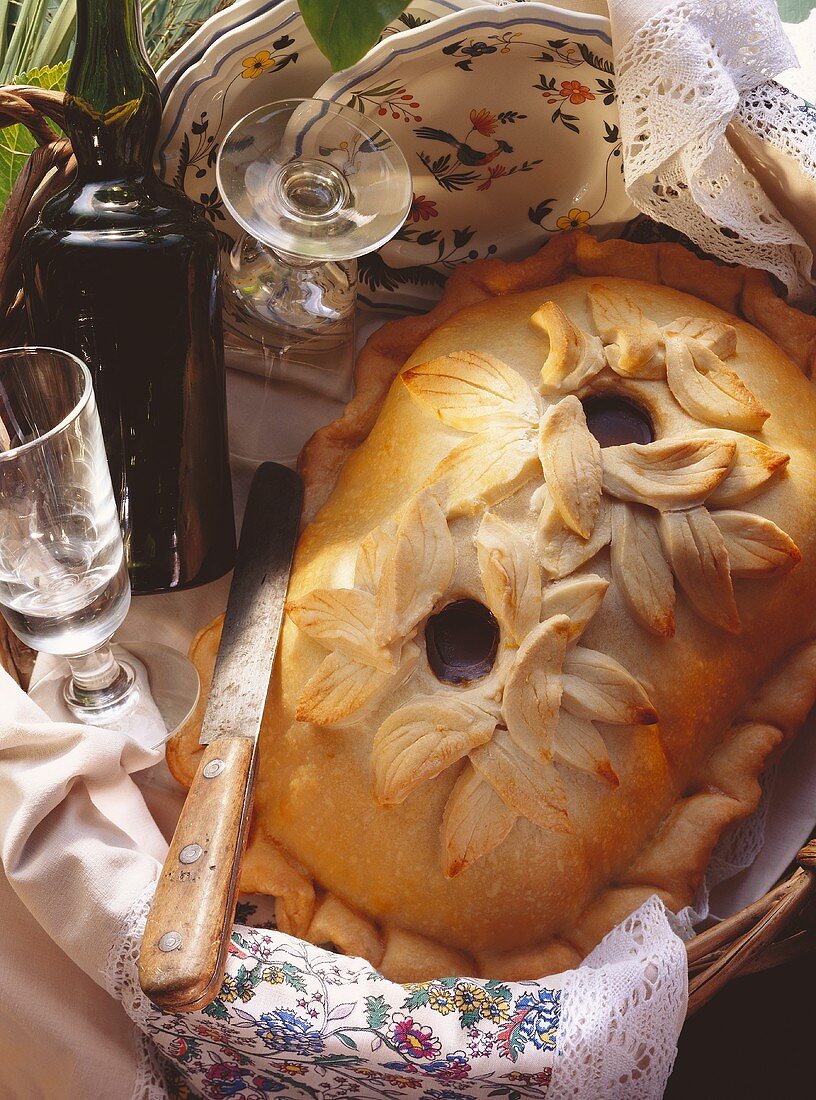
(16, 143)
(345, 29)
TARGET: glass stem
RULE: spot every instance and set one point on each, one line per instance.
(98, 679)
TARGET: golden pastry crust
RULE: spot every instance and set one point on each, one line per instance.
(361, 841)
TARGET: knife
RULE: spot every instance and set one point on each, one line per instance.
(183, 952)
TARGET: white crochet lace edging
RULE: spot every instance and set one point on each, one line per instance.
(680, 81)
(783, 119)
(121, 981)
(623, 1009)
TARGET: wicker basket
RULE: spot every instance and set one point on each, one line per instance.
(778, 927)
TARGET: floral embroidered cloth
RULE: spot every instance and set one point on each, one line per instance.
(296, 1020)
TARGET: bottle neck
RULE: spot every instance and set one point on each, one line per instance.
(112, 103)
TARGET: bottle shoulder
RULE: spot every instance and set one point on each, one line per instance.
(136, 204)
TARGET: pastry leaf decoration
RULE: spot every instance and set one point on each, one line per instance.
(340, 687)
(576, 597)
(709, 390)
(755, 545)
(519, 761)
(640, 569)
(558, 549)
(467, 390)
(371, 557)
(670, 473)
(632, 341)
(416, 570)
(577, 743)
(696, 549)
(574, 356)
(476, 820)
(571, 460)
(753, 466)
(486, 468)
(529, 787)
(340, 618)
(511, 578)
(504, 728)
(421, 740)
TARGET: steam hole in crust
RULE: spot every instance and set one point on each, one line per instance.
(616, 420)
(461, 642)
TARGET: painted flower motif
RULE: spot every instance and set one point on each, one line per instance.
(575, 91)
(542, 1014)
(413, 1039)
(455, 1067)
(484, 121)
(274, 975)
(477, 49)
(422, 209)
(224, 1079)
(267, 1084)
(214, 1034)
(470, 998)
(496, 1010)
(257, 64)
(574, 220)
(480, 1043)
(294, 1069)
(535, 1020)
(494, 172)
(441, 1000)
(178, 1047)
(285, 1033)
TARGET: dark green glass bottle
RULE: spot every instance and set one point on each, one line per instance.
(122, 270)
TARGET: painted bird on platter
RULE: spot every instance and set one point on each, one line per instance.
(465, 154)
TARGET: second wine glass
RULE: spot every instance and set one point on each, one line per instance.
(64, 586)
(314, 186)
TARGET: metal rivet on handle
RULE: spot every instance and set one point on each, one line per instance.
(190, 853)
(170, 941)
(214, 768)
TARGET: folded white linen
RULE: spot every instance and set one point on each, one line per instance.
(78, 843)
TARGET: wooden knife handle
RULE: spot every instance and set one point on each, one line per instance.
(183, 953)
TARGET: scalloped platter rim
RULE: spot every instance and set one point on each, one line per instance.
(229, 67)
(481, 184)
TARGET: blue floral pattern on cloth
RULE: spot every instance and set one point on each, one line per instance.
(293, 1020)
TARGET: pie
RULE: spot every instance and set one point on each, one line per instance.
(551, 614)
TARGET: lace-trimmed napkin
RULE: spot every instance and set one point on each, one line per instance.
(82, 852)
(686, 70)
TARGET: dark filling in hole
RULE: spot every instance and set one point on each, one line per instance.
(617, 420)
(461, 641)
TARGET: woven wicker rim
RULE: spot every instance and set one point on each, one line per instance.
(760, 936)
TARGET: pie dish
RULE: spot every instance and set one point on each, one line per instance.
(525, 679)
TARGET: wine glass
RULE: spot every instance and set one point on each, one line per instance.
(64, 586)
(314, 186)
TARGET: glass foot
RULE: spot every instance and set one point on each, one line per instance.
(171, 678)
(107, 704)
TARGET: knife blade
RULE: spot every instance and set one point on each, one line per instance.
(183, 952)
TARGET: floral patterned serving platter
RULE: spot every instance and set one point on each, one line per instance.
(246, 56)
(508, 119)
